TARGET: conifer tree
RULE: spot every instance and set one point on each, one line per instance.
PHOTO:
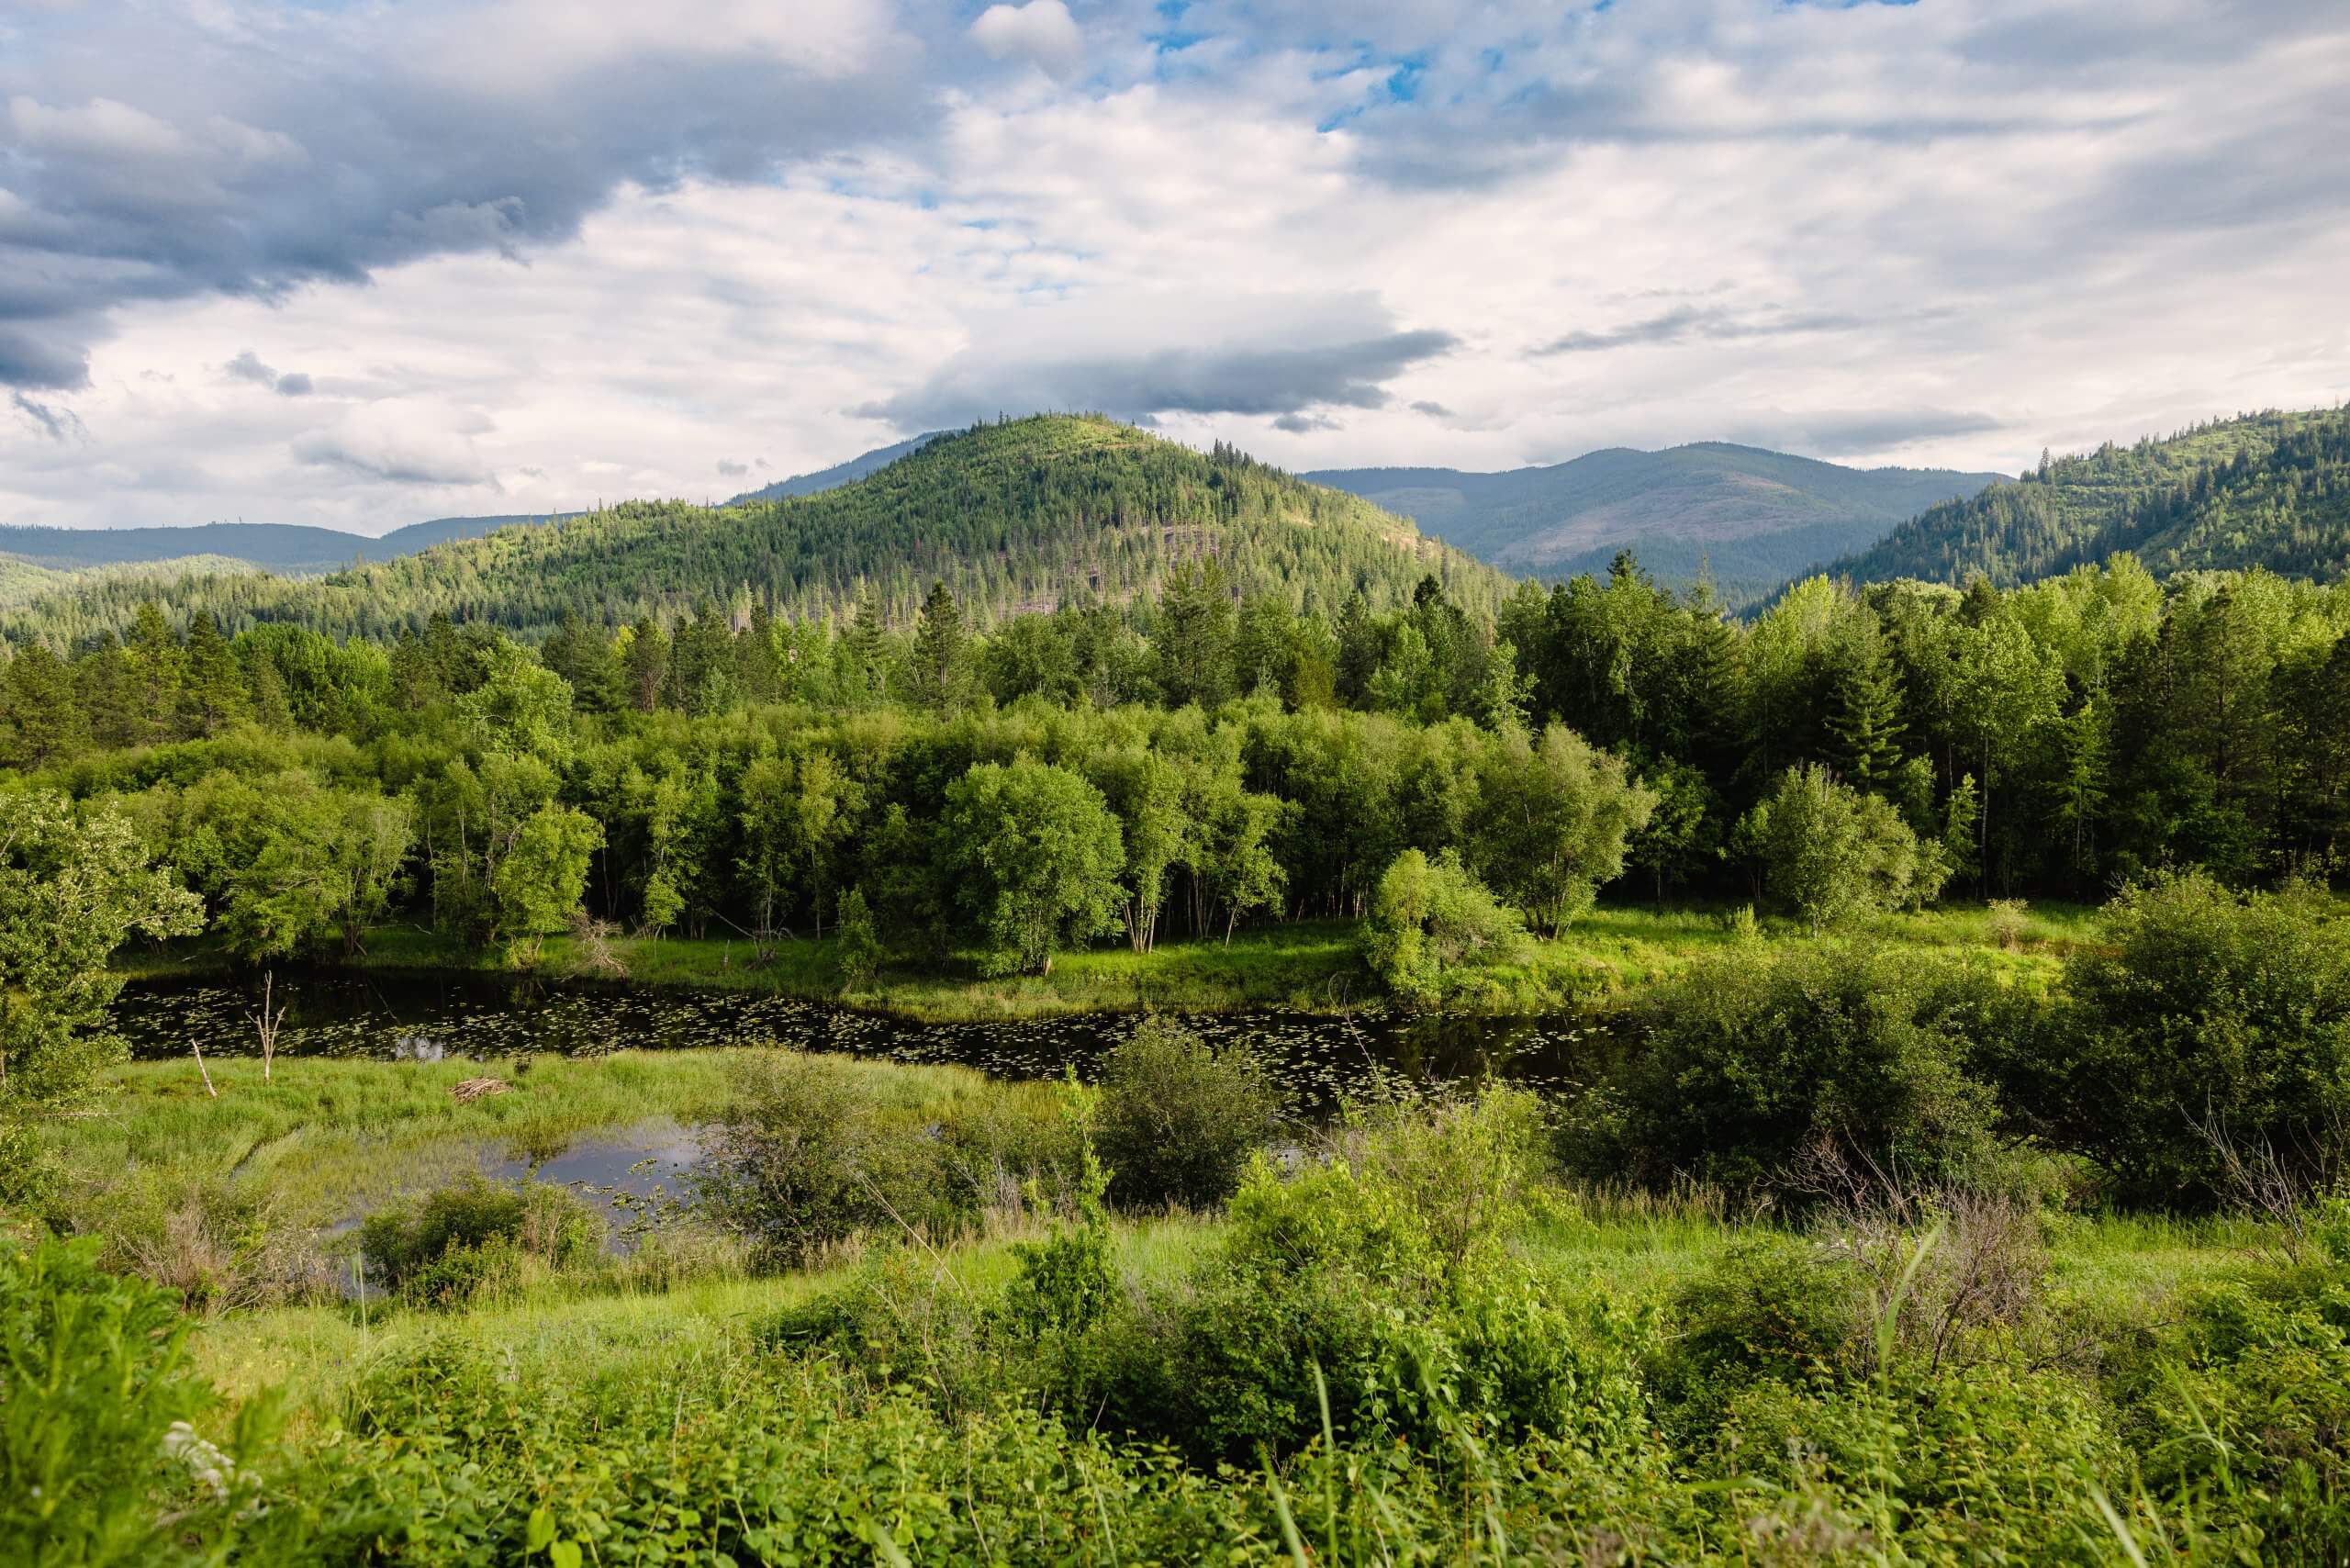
(1864, 720)
(939, 667)
(214, 697)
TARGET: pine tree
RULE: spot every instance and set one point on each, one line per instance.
(40, 707)
(214, 697)
(1864, 720)
(939, 666)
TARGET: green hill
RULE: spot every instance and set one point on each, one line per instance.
(1753, 518)
(2269, 490)
(1016, 516)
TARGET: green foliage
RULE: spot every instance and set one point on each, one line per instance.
(539, 881)
(2208, 1026)
(74, 884)
(97, 1462)
(1755, 1055)
(1180, 1119)
(1430, 921)
(857, 944)
(1831, 854)
(1038, 856)
(460, 1245)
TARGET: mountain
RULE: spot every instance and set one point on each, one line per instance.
(1753, 518)
(839, 474)
(299, 550)
(290, 549)
(1015, 516)
(2269, 490)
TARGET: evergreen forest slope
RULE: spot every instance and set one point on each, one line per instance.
(1019, 515)
(2269, 490)
(1752, 517)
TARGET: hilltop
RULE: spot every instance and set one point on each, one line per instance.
(1753, 518)
(1014, 516)
(2269, 490)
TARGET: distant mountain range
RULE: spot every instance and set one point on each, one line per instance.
(2269, 490)
(299, 551)
(1015, 516)
(1752, 517)
(290, 549)
(839, 473)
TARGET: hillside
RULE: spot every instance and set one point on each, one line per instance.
(1015, 516)
(2269, 490)
(1754, 518)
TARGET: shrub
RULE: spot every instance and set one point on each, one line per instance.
(1832, 853)
(807, 1154)
(1773, 1310)
(463, 1243)
(1754, 1057)
(1429, 921)
(2204, 1019)
(93, 1376)
(858, 949)
(1177, 1118)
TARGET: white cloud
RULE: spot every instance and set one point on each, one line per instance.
(402, 442)
(1944, 234)
(1041, 33)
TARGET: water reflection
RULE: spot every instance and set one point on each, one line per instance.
(432, 1016)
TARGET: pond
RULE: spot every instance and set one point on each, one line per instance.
(415, 1015)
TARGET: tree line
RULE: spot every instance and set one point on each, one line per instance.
(1220, 758)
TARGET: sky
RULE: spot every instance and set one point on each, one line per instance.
(360, 262)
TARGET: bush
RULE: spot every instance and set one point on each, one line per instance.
(1754, 1057)
(1773, 1310)
(93, 1376)
(2204, 1018)
(1832, 853)
(858, 949)
(464, 1243)
(807, 1154)
(1178, 1119)
(1430, 920)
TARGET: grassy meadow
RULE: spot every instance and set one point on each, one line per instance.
(1305, 965)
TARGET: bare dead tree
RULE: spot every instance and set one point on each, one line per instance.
(198, 1052)
(265, 1023)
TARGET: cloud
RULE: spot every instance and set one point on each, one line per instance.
(732, 470)
(28, 362)
(400, 443)
(1434, 411)
(1135, 357)
(1041, 33)
(1843, 432)
(247, 366)
(167, 151)
(1685, 322)
(1305, 424)
(57, 423)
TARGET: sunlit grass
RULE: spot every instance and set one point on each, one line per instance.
(1311, 966)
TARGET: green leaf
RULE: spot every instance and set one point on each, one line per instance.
(540, 1531)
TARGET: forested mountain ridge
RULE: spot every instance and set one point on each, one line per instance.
(1022, 515)
(1751, 518)
(2269, 490)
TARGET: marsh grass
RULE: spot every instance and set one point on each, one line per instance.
(1307, 966)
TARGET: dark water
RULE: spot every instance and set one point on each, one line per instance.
(482, 1017)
